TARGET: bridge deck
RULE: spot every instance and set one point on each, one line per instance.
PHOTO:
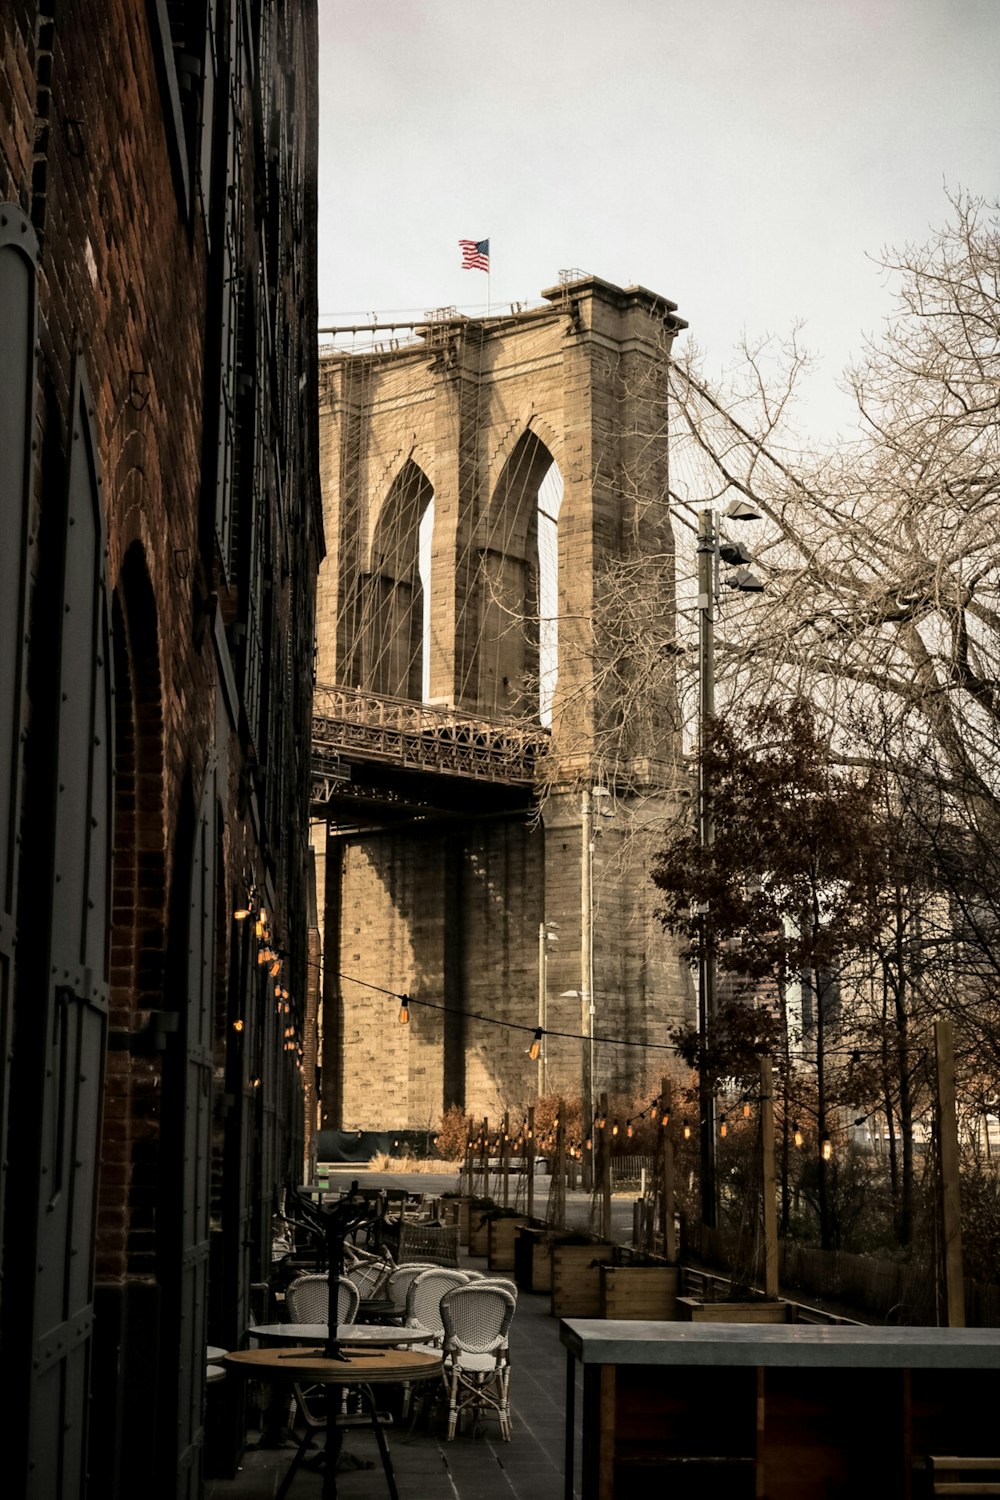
(352, 725)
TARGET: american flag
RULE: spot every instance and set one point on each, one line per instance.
(475, 255)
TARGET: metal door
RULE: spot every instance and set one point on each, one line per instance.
(189, 1160)
(18, 319)
(71, 1028)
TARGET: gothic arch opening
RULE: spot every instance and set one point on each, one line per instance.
(394, 628)
(126, 1234)
(516, 645)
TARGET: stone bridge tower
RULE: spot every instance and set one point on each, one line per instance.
(495, 494)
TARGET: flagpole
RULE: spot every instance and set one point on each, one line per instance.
(489, 274)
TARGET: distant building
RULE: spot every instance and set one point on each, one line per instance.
(162, 534)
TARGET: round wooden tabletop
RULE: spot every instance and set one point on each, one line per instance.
(367, 1367)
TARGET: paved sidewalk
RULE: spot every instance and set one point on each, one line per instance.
(473, 1467)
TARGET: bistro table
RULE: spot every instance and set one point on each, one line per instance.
(375, 1335)
(354, 1367)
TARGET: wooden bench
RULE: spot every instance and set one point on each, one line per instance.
(952, 1475)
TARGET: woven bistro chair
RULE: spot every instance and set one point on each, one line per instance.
(476, 1319)
(423, 1299)
(397, 1286)
(307, 1300)
(423, 1308)
(369, 1276)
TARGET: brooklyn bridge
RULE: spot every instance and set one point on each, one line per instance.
(478, 849)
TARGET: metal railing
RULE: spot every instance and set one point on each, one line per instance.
(352, 723)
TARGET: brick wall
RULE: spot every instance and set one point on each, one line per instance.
(101, 147)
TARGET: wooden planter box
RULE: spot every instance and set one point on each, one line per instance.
(576, 1279)
(694, 1310)
(648, 1292)
(479, 1232)
(532, 1259)
(467, 1217)
(500, 1243)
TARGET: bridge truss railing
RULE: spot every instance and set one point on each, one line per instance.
(352, 723)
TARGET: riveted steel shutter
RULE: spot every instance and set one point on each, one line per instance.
(76, 1000)
(18, 319)
(196, 1129)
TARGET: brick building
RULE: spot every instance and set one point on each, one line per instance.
(160, 498)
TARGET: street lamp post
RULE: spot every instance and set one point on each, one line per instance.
(587, 965)
(707, 564)
(546, 934)
(712, 548)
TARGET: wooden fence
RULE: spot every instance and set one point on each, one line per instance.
(885, 1291)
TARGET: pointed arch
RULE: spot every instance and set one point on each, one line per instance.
(393, 622)
(509, 583)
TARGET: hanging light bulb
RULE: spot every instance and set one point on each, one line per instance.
(239, 1024)
(628, 1129)
(723, 1127)
(614, 1128)
(404, 1010)
(797, 1136)
(825, 1147)
(242, 912)
(601, 1121)
(665, 1118)
(746, 1109)
(536, 1044)
(687, 1130)
(590, 1143)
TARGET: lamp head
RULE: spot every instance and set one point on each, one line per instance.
(741, 510)
(734, 552)
(745, 581)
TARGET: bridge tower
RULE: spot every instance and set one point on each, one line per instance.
(486, 790)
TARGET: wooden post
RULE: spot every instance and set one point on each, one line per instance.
(559, 1168)
(768, 1183)
(669, 1220)
(529, 1160)
(951, 1220)
(605, 1172)
(505, 1159)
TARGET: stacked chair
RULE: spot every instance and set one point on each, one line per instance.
(475, 1319)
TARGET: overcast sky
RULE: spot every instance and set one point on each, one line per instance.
(739, 156)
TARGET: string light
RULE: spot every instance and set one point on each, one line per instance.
(723, 1127)
(825, 1147)
(239, 1024)
(687, 1130)
(665, 1118)
(536, 1044)
(404, 1010)
(746, 1109)
(614, 1128)
(628, 1129)
(797, 1136)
